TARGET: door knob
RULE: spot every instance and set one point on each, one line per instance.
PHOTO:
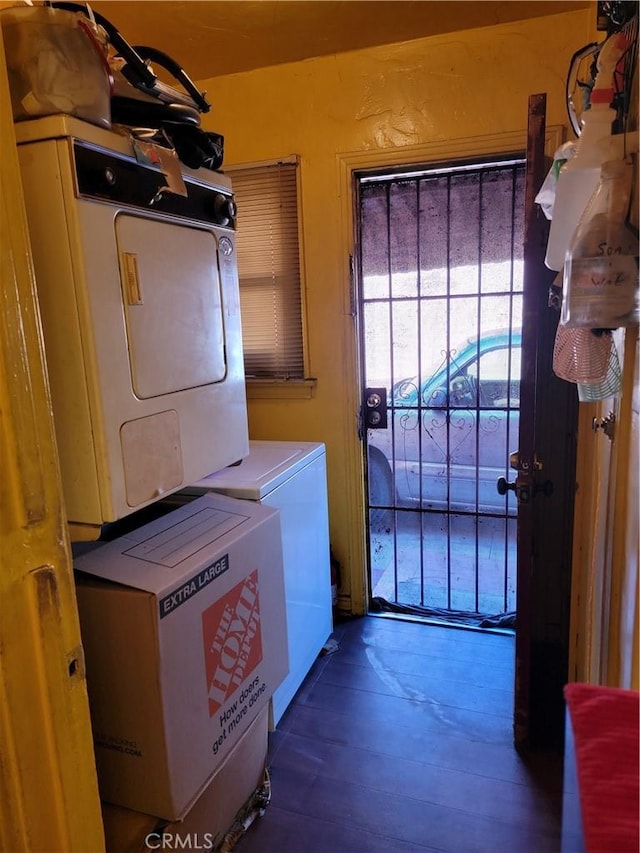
(504, 486)
(522, 492)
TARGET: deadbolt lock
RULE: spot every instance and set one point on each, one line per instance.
(375, 408)
(514, 461)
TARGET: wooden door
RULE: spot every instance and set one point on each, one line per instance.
(545, 482)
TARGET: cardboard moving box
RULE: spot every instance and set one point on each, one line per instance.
(184, 630)
(208, 821)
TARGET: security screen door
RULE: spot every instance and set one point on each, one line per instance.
(458, 315)
(440, 273)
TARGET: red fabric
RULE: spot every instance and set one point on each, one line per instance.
(605, 730)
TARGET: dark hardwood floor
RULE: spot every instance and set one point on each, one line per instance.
(402, 740)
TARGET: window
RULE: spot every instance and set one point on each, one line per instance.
(497, 376)
(269, 269)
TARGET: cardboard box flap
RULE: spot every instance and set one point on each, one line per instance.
(171, 551)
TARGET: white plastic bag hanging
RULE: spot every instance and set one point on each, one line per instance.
(547, 194)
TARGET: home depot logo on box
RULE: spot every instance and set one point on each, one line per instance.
(232, 640)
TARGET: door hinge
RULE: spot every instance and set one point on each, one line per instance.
(607, 425)
(352, 287)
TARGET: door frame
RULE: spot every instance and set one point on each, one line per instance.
(355, 598)
(50, 798)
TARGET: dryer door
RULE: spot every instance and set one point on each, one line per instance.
(172, 304)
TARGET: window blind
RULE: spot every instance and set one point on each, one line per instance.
(269, 270)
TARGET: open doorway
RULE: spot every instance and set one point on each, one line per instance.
(440, 266)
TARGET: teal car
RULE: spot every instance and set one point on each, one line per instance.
(447, 439)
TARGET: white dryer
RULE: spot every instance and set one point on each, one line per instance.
(139, 300)
(291, 476)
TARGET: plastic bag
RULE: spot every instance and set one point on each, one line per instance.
(547, 195)
(56, 63)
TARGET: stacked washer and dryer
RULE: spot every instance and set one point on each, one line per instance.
(139, 301)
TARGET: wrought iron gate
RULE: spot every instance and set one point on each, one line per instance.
(440, 309)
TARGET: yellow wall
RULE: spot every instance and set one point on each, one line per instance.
(434, 97)
(606, 559)
(621, 668)
(429, 98)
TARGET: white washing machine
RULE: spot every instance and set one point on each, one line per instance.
(291, 476)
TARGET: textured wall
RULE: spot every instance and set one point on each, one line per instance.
(445, 93)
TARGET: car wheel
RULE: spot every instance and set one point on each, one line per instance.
(381, 491)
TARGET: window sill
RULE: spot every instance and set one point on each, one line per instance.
(285, 389)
